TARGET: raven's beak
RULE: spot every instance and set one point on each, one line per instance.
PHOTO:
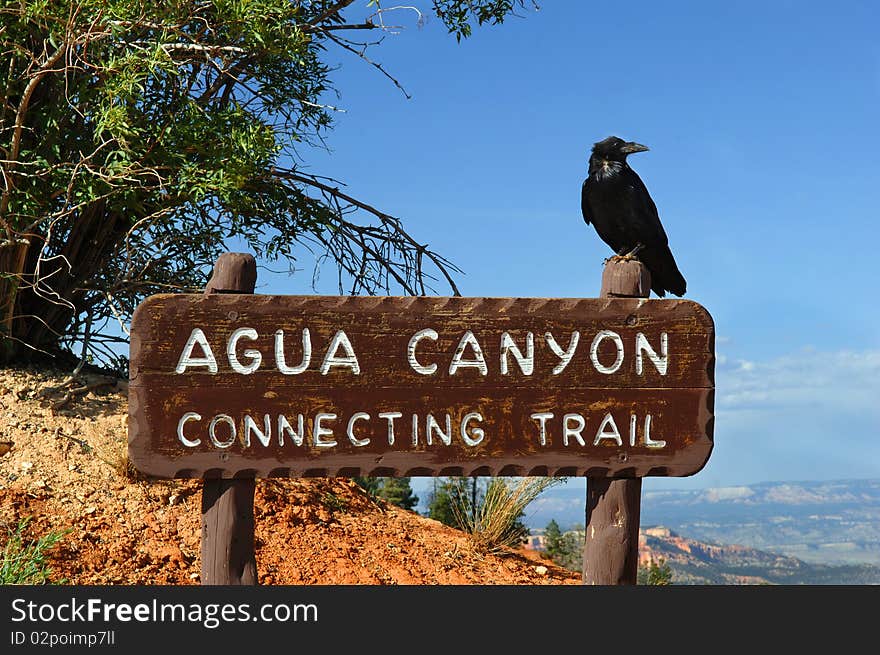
(632, 146)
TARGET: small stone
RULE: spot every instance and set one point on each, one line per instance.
(541, 570)
(173, 499)
(91, 510)
(27, 466)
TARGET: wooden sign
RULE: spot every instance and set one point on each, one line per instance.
(233, 385)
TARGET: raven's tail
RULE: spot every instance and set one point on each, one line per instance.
(665, 275)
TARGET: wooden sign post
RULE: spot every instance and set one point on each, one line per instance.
(611, 535)
(228, 556)
(241, 386)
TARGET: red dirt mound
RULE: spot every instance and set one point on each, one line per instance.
(62, 463)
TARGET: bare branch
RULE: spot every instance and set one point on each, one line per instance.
(330, 28)
(362, 54)
(330, 11)
(389, 222)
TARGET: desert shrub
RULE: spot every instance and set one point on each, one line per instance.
(494, 525)
(655, 573)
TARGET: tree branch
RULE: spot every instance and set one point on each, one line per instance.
(442, 264)
(333, 9)
(376, 65)
(369, 25)
(45, 69)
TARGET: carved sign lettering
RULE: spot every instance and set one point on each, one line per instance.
(226, 385)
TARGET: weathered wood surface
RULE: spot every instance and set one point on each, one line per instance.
(234, 272)
(379, 329)
(227, 551)
(611, 542)
(611, 539)
(625, 279)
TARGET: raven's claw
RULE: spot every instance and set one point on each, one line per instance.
(631, 256)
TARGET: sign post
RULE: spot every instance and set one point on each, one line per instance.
(241, 386)
(611, 535)
(227, 552)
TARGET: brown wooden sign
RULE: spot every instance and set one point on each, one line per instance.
(232, 385)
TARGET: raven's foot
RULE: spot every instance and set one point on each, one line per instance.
(630, 256)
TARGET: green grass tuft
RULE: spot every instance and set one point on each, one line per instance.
(25, 561)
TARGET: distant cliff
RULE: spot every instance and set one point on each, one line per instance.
(698, 562)
(829, 522)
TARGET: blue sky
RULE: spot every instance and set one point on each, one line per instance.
(762, 123)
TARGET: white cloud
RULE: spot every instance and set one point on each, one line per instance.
(845, 379)
(806, 415)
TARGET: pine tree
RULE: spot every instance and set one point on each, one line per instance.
(398, 491)
(564, 548)
(553, 540)
(572, 549)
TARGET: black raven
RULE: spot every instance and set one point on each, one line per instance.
(614, 199)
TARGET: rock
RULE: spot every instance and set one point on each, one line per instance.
(541, 570)
(27, 466)
(172, 554)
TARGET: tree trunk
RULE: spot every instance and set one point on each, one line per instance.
(50, 298)
(12, 261)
